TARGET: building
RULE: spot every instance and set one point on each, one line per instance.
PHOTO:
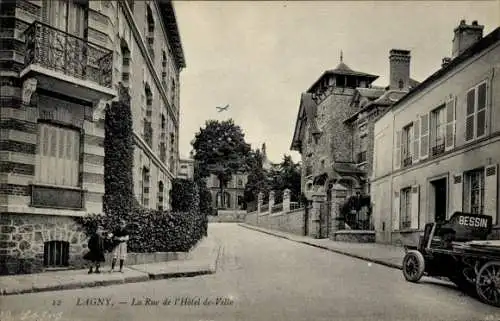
(186, 169)
(60, 66)
(437, 149)
(233, 193)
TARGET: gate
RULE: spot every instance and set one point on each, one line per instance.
(324, 219)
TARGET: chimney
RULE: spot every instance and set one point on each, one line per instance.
(399, 61)
(446, 61)
(465, 36)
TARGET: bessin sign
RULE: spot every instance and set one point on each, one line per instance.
(473, 221)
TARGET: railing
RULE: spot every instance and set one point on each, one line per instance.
(361, 157)
(264, 208)
(277, 208)
(407, 161)
(358, 220)
(295, 206)
(438, 149)
(57, 50)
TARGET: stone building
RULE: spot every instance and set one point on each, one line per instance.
(233, 193)
(60, 66)
(437, 149)
(186, 169)
(334, 132)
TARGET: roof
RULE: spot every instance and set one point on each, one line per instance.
(387, 99)
(343, 69)
(307, 109)
(481, 45)
(174, 38)
(371, 93)
(347, 168)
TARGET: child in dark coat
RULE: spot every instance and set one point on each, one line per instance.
(97, 246)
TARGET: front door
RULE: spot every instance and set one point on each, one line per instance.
(440, 199)
(324, 227)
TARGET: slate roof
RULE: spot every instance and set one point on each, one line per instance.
(343, 69)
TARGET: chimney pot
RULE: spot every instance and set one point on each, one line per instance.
(474, 23)
(462, 22)
(465, 36)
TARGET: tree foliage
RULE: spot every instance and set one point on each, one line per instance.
(257, 179)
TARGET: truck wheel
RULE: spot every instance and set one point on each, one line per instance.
(464, 285)
(488, 283)
(413, 266)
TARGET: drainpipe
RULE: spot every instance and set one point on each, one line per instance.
(391, 177)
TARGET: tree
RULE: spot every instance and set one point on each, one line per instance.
(290, 176)
(220, 149)
(119, 199)
(258, 178)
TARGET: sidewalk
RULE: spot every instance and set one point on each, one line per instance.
(201, 260)
(388, 255)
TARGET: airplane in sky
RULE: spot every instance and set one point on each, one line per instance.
(221, 109)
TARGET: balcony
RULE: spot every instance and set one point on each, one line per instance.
(437, 149)
(407, 161)
(361, 157)
(66, 64)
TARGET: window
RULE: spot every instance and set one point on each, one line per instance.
(150, 35)
(164, 69)
(160, 195)
(475, 123)
(56, 254)
(145, 187)
(438, 134)
(58, 161)
(67, 16)
(363, 147)
(125, 64)
(240, 182)
(405, 208)
(474, 191)
(148, 129)
(172, 92)
(407, 145)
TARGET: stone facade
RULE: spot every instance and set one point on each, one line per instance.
(234, 192)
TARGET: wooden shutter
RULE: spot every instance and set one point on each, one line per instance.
(470, 112)
(416, 140)
(424, 136)
(481, 110)
(491, 191)
(397, 150)
(396, 212)
(456, 191)
(450, 124)
(415, 206)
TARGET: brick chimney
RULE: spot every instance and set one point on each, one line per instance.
(399, 65)
(465, 36)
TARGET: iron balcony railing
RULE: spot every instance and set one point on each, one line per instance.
(60, 51)
(437, 149)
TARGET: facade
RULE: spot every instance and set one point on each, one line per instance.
(61, 64)
(437, 149)
(234, 192)
(186, 169)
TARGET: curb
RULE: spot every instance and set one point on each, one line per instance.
(376, 261)
(211, 268)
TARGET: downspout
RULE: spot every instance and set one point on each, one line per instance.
(392, 170)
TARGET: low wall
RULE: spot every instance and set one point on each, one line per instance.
(228, 216)
(291, 222)
(146, 258)
(353, 236)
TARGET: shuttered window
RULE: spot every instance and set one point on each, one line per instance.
(58, 159)
(475, 122)
(405, 208)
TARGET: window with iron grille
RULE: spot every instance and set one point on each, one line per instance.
(405, 208)
(56, 254)
(474, 188)
(438, 125)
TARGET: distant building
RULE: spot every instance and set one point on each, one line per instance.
(266, 164)
(437, 149)
(234, 191)
(186, 169)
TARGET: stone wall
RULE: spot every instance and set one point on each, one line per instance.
(22, 239)
(291, 222)
(227, 216)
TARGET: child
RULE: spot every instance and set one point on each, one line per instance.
(121, 236)
(96, 247)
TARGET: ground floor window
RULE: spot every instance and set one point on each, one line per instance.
(474, 191)
(405, 208)
(56, 254)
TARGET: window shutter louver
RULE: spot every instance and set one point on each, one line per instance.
(456, 193)
(396, 212)
(397, 150)
(415, 206)
(491, 191)
(450, 124)
(416, 140)
(424, 136)
(470, 112)
(481, 111)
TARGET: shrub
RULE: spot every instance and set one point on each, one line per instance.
(181, 194)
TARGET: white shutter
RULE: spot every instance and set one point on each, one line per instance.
(416, 140)
(397, 150)
(424, 136)
(470, 115)
(457, 192)
(450, 124)
(415, 206)
(491, 191)
(396, 212)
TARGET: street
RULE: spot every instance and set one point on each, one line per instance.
(262, 277)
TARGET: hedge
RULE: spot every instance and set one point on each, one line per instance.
(150, 230)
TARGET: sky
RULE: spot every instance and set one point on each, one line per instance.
(259, 57)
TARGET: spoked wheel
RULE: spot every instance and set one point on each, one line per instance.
(488, 283)
(413, 266)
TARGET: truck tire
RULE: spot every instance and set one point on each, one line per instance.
(413, 266)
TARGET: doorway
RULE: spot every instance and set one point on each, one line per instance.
(440, 199)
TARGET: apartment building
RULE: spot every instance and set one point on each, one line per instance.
(437, 149)
(61, 63)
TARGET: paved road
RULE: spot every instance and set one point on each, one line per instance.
(262, 277)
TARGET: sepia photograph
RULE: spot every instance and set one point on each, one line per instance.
(275, 160)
